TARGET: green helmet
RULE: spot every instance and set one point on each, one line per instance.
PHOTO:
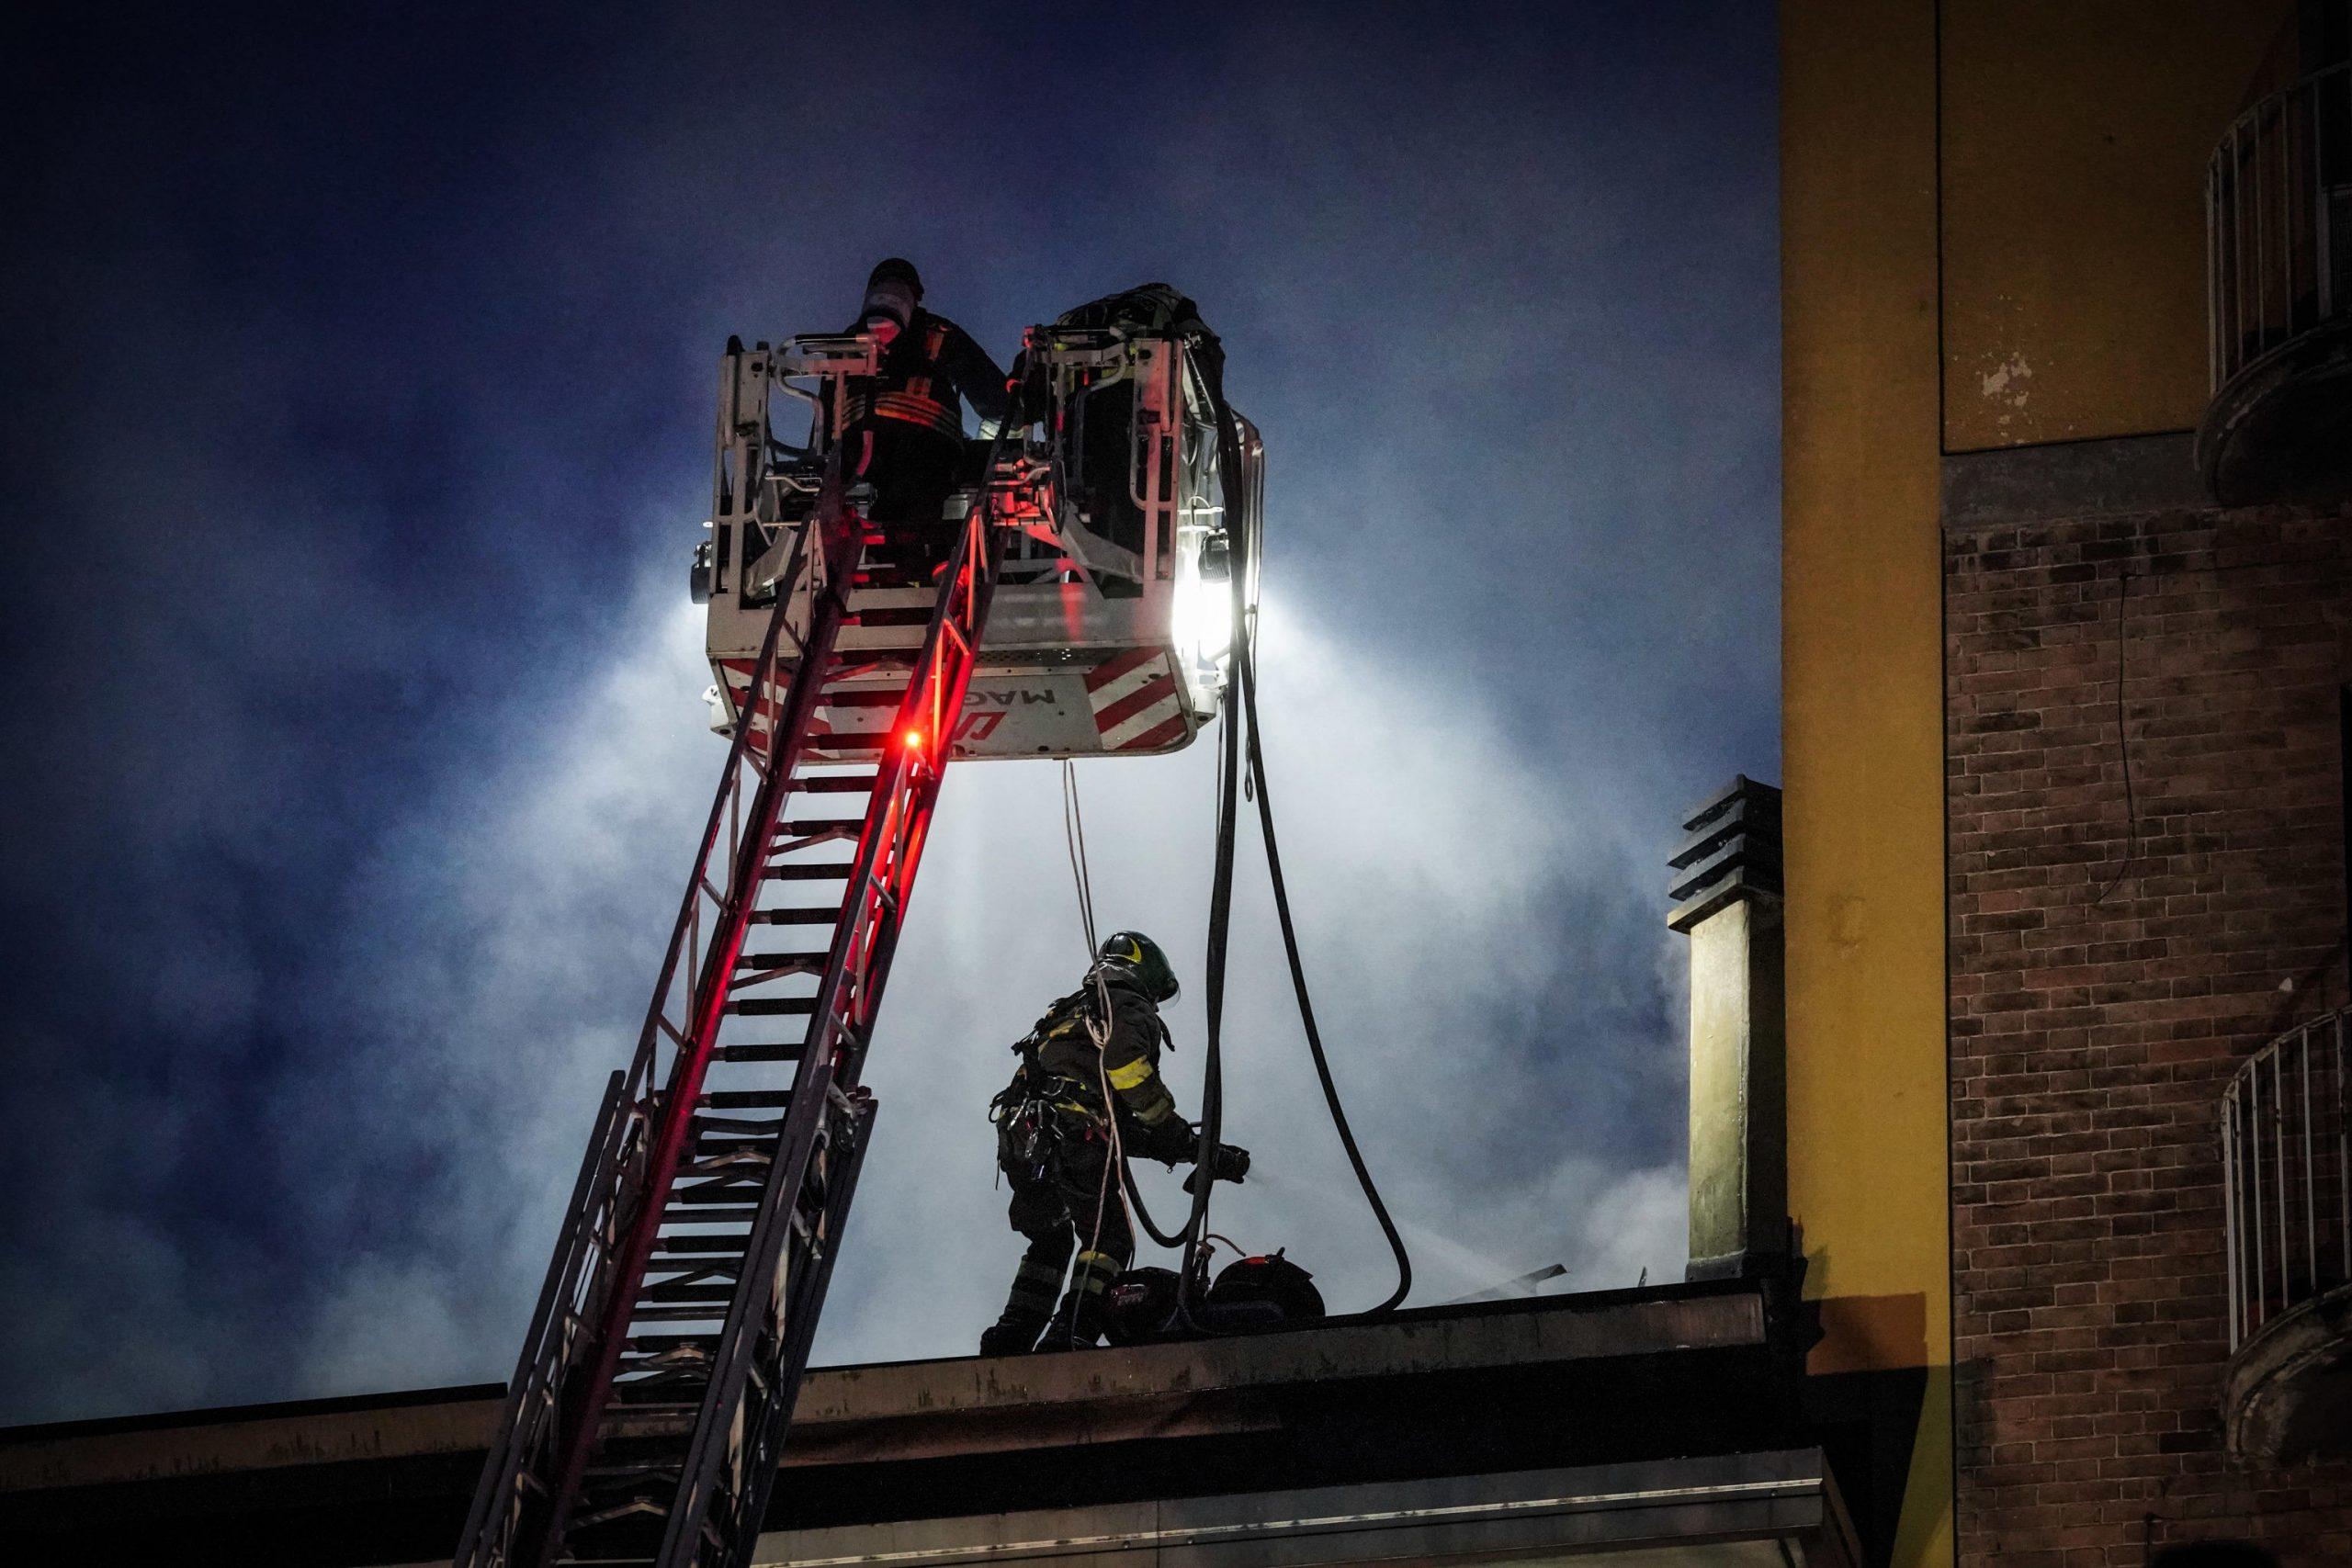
(1140, 957)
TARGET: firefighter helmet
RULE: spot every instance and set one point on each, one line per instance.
(1141, 957)
(896, 269)
(892, 292)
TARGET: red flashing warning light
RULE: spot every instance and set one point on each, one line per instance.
(910, 738)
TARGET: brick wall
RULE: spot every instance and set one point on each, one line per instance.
(2109, 968)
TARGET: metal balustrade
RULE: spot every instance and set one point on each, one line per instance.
(2287, 1206)
(2278, 223)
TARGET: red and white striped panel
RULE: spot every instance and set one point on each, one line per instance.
(862, 736)
(1137, 707)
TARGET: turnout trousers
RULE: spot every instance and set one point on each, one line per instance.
(1076, 1208)
(912, 470)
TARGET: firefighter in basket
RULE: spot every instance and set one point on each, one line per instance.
(1087, 1094)
(905, 435)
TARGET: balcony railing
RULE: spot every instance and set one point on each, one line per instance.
(2278, 223)
(2285, 1149)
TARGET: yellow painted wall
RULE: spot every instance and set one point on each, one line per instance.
(1862, 704)
(2075, 139)
(1992, 235)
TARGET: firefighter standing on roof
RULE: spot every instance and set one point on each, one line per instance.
(904, 434)
(1093, 1057)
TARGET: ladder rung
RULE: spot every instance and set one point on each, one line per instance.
(809, 871)
(708, 1293)
(747, 1098)
(633, 1469)
(759, 1053)
(713, 1269)
(836, 783)
(790, 964)
(707, 1212)
(680, 1404)
(771, 1007)
(818, 916)
(704, 1244)
(865, 697)
(801, 826)
(710, 1194)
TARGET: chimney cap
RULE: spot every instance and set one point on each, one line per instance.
(1731, 849)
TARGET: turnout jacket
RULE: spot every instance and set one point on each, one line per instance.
(1059, 1062)
(923, 371)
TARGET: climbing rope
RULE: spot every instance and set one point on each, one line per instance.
(1074, 840)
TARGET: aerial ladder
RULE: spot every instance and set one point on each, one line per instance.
(1083, 608)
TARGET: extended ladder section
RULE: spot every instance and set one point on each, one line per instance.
(646, 1416)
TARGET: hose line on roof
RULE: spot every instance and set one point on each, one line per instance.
(1241, 734)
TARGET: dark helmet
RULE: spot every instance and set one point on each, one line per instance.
(1140, 957)
(892, 292)
(896, 269)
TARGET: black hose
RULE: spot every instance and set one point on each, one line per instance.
(1212, 998)
(1240, 517)
(1247, 677)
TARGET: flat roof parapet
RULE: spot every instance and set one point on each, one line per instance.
(1517, 1384)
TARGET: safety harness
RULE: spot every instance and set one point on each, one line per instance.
(1042, 1105)
(912, 402)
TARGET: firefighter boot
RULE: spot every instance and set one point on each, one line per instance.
(1031, 1303)
(1078, 1322)
(1011, 1336)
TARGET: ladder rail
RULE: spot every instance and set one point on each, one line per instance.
(532, 1373)
(584, 1281)
(579, 1429)
(905, 793)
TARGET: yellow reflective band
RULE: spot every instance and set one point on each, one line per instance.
(1134, 1073)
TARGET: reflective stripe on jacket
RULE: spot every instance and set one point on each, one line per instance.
(1062, 1048)
(926, 368)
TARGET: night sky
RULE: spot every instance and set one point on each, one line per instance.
(360, 379)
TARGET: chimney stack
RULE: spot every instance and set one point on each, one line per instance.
(1727, 891)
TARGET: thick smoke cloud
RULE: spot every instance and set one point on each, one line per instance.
(355, 752)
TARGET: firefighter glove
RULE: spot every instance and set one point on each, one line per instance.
(1229, 1163)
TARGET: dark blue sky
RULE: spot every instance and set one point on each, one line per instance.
(362, 369)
